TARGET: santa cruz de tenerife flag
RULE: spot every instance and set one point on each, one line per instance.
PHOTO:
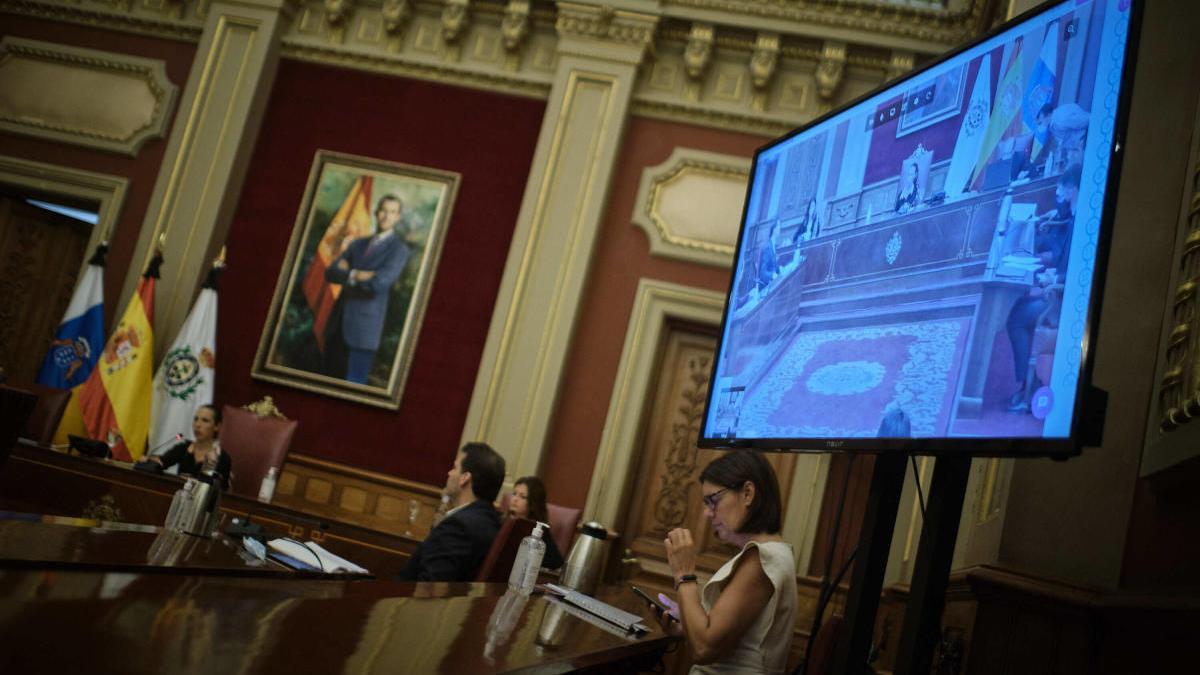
(80, 335)
(115, 400)
(970, 134)
(184, 381)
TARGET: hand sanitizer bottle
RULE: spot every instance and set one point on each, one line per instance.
(267, 489)
(529, 561)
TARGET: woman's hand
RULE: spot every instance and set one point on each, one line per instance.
(681, 552)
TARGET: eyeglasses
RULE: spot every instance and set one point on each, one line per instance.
(711, 500)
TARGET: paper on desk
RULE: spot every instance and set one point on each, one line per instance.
(305, 553)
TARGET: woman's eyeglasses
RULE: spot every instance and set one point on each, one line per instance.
(711, 500)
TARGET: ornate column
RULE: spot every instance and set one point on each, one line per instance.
(208, 150)
(599, 50)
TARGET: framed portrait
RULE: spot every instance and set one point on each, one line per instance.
(351, 295)
(932, 103)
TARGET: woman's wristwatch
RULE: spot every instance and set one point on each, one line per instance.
(683, 579)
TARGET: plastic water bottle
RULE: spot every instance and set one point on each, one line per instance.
(529, 560)
(267, 489)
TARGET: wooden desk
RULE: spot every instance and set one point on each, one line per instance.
(30, 541)
(91, 622)
(40, 480)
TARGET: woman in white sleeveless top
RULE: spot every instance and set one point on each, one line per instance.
(741, 621)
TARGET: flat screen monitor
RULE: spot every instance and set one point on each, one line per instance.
(921, 269)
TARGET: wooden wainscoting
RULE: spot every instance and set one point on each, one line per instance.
(372, 500)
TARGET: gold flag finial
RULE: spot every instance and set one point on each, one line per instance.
(220, 261)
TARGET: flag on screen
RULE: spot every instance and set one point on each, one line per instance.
(351, 221)
(1006, 111)
(115, 400)
(970, 134)
(1040, 89)
(184, 381)
(80, 334)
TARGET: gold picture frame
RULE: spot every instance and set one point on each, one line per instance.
(352, 291)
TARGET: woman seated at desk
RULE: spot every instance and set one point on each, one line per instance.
(528, 500)
(204, 453)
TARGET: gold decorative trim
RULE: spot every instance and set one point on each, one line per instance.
(657, 181)
(265, 407)
(85, 63)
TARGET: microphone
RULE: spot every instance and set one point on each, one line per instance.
(160, 446)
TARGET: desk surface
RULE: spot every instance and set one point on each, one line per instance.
(33, 541)
(168, 624)
(39, 480)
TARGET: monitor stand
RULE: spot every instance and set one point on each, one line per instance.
(927, 597)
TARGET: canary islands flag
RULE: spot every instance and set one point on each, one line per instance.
(1040, 89)
(80, 335)
(115, 400)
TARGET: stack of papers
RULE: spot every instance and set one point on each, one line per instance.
(312, 556)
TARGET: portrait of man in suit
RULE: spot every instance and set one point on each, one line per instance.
(366, 270)
(352, 293)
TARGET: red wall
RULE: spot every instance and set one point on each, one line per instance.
(489, 139)
(621, 259)
(141, 170)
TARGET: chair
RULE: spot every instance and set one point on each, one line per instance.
(499, 560)
(563, 521)
(257, 437)
(16, 405)
(51, 404)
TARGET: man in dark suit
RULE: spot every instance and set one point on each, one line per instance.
(455, 549)
(367, 270)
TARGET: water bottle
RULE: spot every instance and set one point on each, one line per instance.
(529, 560)
(267, 489)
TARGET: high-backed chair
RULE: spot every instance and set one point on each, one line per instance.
(563, 521)
(1045, 336)
(257, 438)
(499, 561)
(51, 404)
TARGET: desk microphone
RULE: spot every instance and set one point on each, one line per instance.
(160, 446)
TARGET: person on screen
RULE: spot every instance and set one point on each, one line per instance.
(810, 224)
(456, 547)
(895, 423)
(528, 500)
(768, 260)
(741, 621)
(203, 453)
(367, 269)
(909, 193)
(1026, 164)
(1052, 245)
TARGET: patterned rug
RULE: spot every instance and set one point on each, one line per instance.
(840, 383)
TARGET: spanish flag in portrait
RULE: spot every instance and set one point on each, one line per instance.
(115, 400)
(352, 220)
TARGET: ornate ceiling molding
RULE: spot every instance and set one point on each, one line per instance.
(757, 66)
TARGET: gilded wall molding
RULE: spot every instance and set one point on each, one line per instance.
(757, 67)
(103, 100)
(690, 205)
(1173, 434)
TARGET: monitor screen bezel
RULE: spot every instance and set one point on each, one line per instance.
(1087, 398)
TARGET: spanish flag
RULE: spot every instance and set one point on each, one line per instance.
(115, 400)
(351, 221)
(1006, 114)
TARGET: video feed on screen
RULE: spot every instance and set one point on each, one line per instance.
(921, 264)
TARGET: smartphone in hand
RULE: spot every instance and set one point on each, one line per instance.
(657, 606)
